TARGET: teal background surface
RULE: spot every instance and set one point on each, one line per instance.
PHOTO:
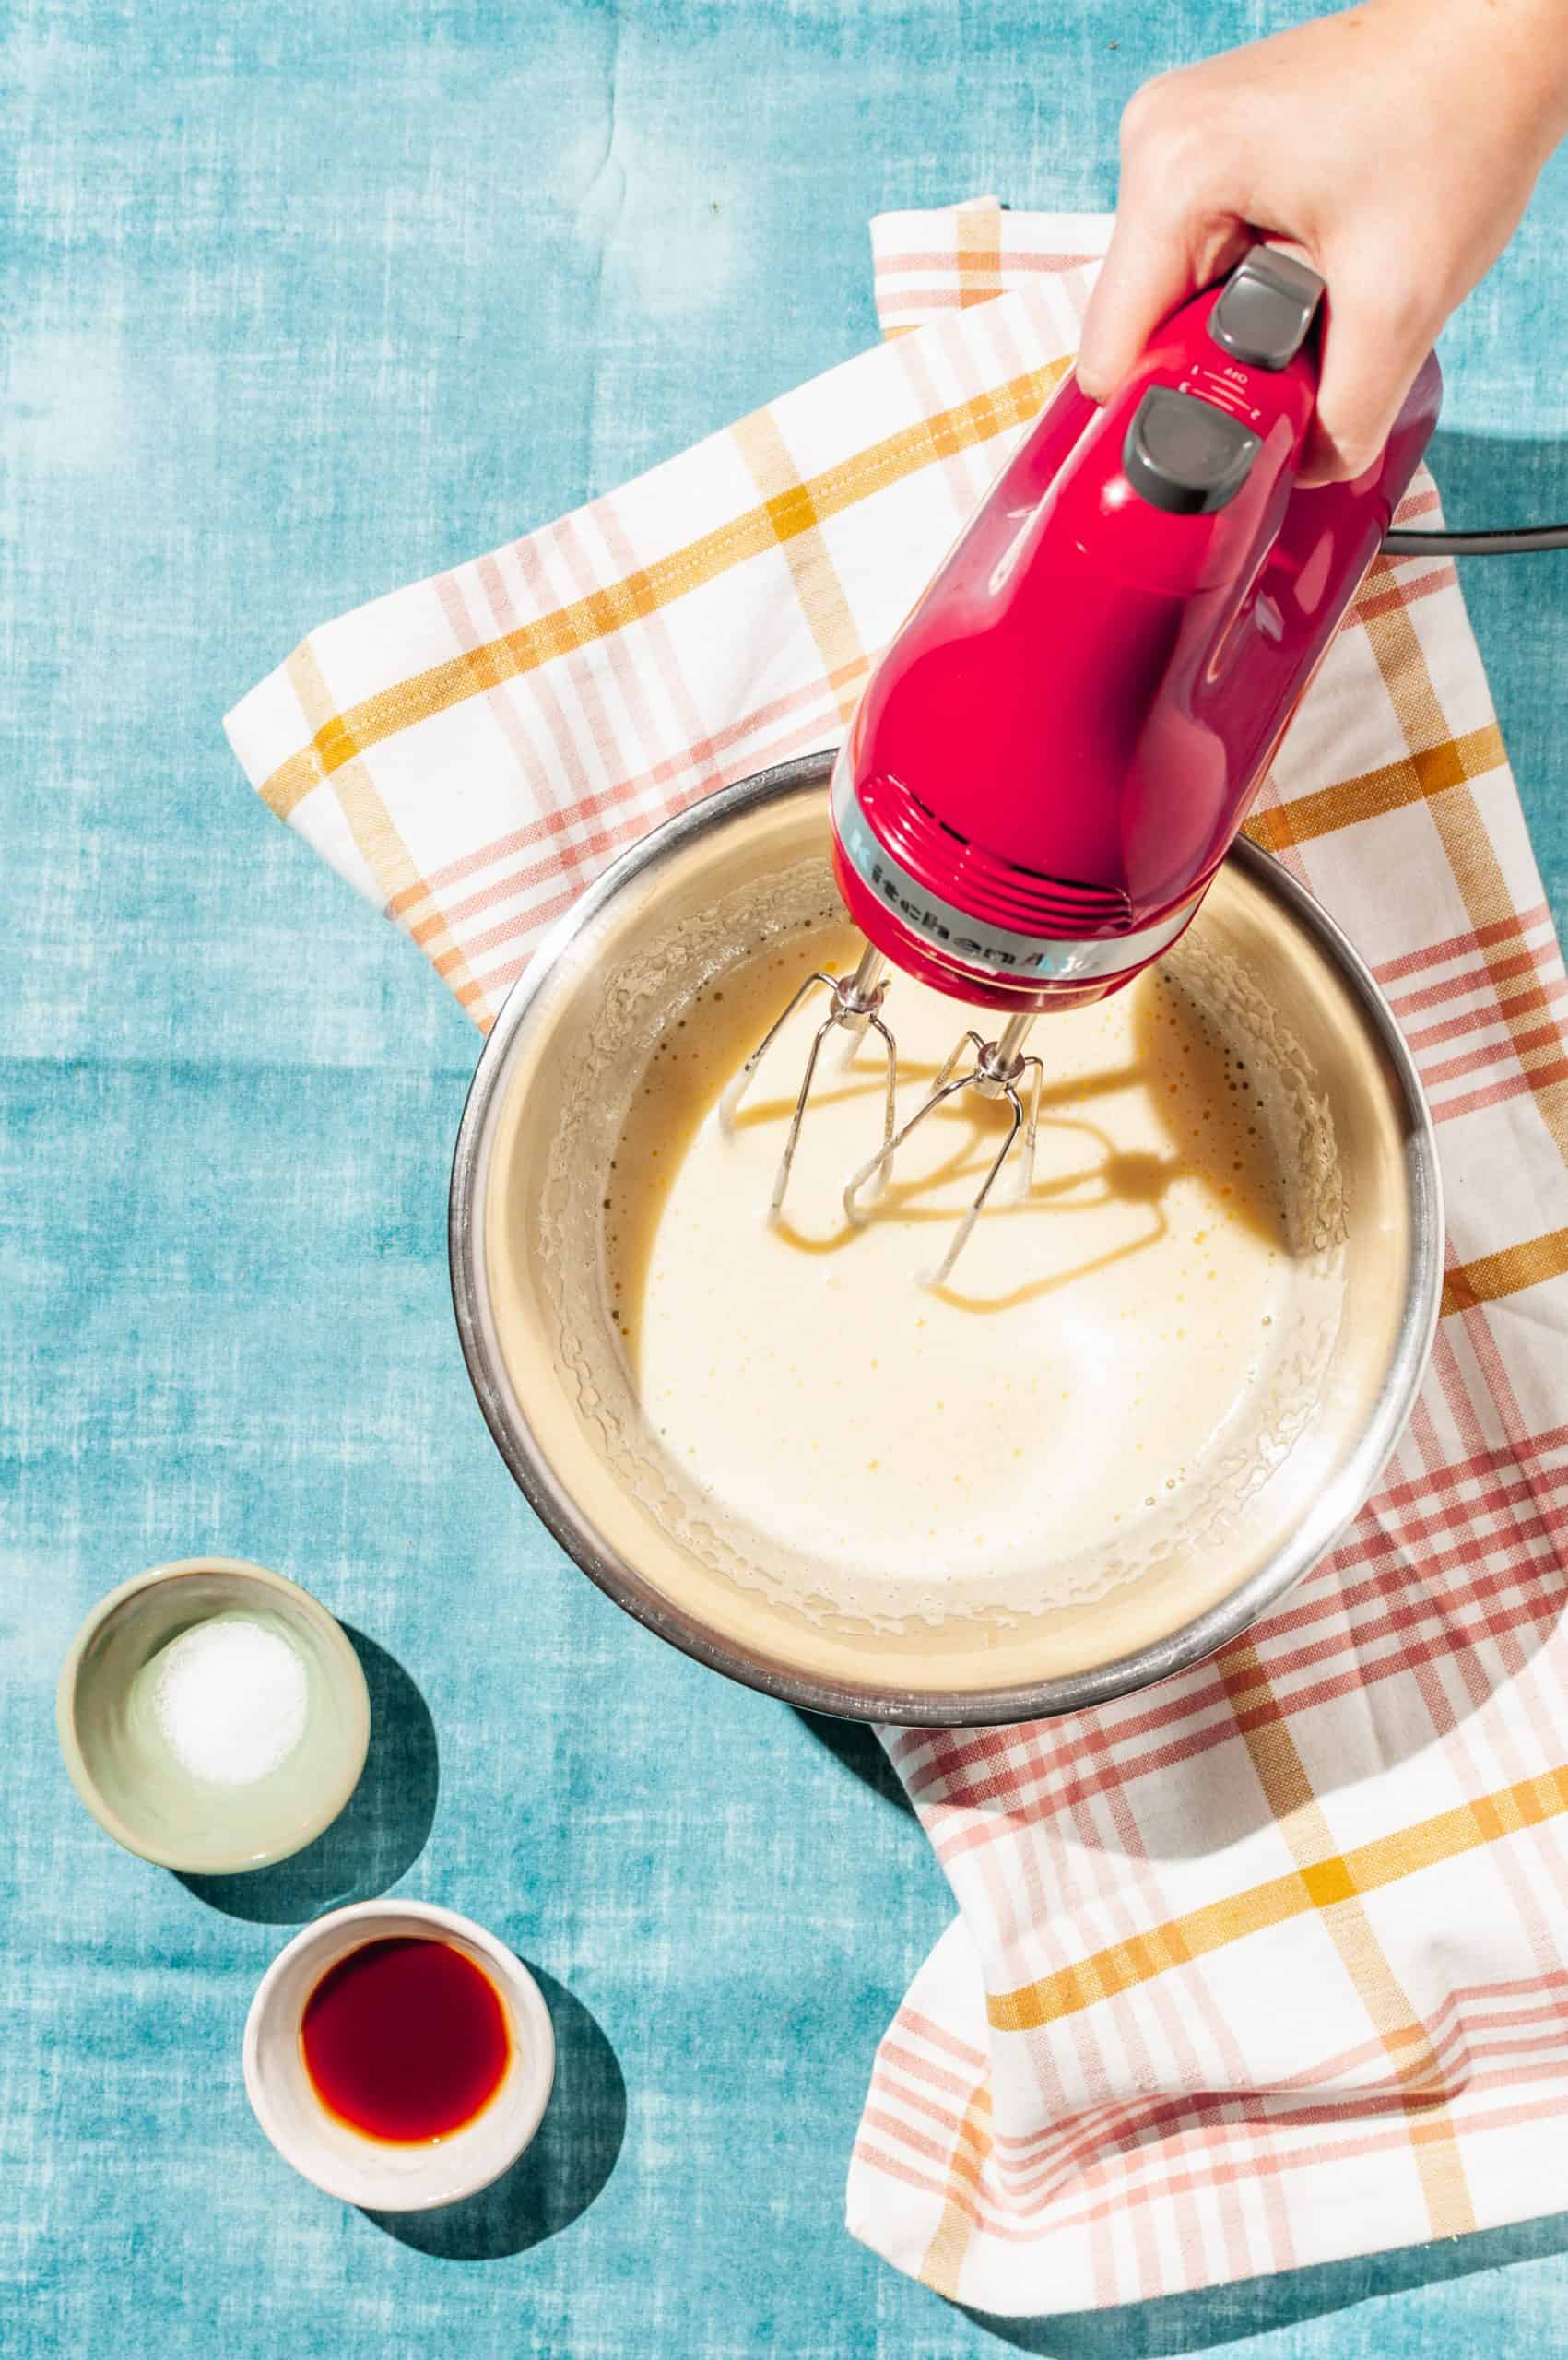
(300, 301)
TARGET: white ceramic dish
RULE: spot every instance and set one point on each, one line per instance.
(385, 2176)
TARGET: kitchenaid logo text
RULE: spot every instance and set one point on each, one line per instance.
(1096, 958)
(927, 922)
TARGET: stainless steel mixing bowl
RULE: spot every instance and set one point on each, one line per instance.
(548, 1422)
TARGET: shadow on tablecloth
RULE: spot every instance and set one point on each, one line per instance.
(855, 1745)
(377, 1836)
(1176, 2325)
(557, 2178)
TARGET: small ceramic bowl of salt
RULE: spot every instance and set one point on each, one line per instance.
(213, 1717)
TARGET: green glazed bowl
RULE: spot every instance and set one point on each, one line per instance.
(123, 1768)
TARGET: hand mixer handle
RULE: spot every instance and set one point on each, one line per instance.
(1193, 458)
(1182, 432)
(1056, 749)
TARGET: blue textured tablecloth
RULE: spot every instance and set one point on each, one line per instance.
(301, 302)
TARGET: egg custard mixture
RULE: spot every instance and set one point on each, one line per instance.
(1120, 1356)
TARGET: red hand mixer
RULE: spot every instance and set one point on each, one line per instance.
(1053, 756)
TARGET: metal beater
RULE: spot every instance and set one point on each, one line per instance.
(998, 1071)
(855, 1004)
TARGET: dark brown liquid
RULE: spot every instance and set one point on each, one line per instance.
(406, 2039)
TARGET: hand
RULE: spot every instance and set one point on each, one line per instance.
(1394, 147)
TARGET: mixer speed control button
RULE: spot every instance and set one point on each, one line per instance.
(1185, 457)
(1267, 308)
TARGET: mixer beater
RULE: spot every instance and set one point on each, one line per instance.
(855, 1004)
(1054, 753)
(997, 1072)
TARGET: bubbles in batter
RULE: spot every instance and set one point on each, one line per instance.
(1122, 1353)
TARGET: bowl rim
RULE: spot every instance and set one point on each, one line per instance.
(523, 1994)
(1337, 1505)
(189, 1862)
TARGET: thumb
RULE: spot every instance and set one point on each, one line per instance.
(1373, 346)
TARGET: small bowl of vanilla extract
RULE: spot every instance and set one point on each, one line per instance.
(398, 2056)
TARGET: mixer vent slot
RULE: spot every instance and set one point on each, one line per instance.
(1002, 890)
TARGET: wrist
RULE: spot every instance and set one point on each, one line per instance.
(1508, 57)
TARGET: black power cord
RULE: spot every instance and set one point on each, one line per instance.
(1513, 540)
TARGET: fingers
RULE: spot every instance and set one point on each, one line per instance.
(1147, 270)
(1176, 230)
(1206, 170)
(1374, 339)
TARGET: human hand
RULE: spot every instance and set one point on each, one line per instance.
(1393, 147)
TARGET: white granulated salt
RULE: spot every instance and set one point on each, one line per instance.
(230, 1698)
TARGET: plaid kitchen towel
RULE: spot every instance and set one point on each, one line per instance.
(1268, 1964)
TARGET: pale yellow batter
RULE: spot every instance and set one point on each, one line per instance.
(1084, 1372)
